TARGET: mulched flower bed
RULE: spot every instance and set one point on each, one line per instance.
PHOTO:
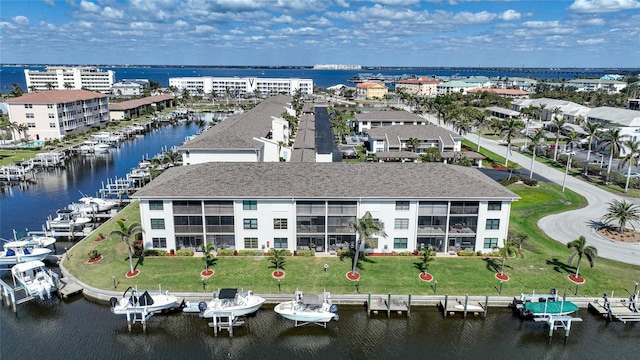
(277, 274)
(206, 273)
(133, 274)
(425, 277)
(100, 239)
(353, 276)
(502, 277)
(93, 261)
(576, 280)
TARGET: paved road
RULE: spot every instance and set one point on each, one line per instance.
(570, 225)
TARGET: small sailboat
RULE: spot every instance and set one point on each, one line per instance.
(35, 278)
(308, 309)
(230, 301)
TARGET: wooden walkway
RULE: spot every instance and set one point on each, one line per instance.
(624, 311)
(463, 306)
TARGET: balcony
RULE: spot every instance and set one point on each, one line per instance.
(431, 229)
(339, 229)
(220, 229)
(188, 229)
(179, 210)
(310, 229)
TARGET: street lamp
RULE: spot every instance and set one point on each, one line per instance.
(566, 171)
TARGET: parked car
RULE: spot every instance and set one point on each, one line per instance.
(634, 175)
(350, 155)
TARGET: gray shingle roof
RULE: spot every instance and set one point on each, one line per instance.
(393, 115)
(237, 132)
(324, 180)
(420, 132)
(305, 139)
(303, 155)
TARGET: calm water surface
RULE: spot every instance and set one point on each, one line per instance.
(83, 330)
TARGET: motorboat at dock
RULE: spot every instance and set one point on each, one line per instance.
(18, 251)
(542, 305)
(230, 301)
(67, 219)
(308, 309)
(35, 279)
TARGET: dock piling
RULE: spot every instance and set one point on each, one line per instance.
(466, 301)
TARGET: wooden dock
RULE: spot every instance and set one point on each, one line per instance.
(396, 303)
(69, 288)
(463, 306)
(624, 311)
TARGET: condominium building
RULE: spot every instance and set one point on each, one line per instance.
(375, 119)
(60, 77)
(298, 206)
(419, 87)
(55, 113)
(237, 86)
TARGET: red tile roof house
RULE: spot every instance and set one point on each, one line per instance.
(56, 113)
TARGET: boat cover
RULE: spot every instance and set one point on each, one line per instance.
(227, 293)
(312, 299)
(551, 307)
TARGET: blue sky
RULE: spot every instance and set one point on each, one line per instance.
(579, 33)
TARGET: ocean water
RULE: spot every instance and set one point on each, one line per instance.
(321, 78)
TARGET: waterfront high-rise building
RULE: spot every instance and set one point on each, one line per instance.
(62, 77)
(237, 86)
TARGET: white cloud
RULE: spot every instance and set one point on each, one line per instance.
(602, 6)
(20, 20)
(591, 41)
(510, 15)
(6, 25)
(202, 29)
(111, 13)
(181, 24)
(88, 6)
(49, 2)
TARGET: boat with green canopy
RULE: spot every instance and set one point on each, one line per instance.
(544, 308)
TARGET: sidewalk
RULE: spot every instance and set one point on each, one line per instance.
(569, 225)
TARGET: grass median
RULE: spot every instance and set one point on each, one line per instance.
(543, 267)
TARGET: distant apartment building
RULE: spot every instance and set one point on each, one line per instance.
(237, 86)
(371, 90)
(506, 93)
(454, 87)
(376, 119)
(336, 67)
(130, 87)
(55, 113)
(60, 78)
(610, 86)
(419, 87)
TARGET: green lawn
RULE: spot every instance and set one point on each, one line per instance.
(544, 266)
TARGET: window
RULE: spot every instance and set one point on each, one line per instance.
(250, 223)
(49, 106)
(249, 205)
(156, 205)
(29, 115)
(157, 223)
(402, 205)
(279, 243)
(493, 224)
(400, 243)
(159, 242)
(28, 106)
(280, 224)
(402, 224)
(494, 206)
(52, 125)
(490, 243)
(51, 116)
(251, 243)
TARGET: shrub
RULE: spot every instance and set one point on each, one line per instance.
(93, 254)
(284, 252)
(184, 252)
(404, 253)
(306, 253)
(155, 252)
(529, 182)
(250, 253)
(345, 253)
(225, 252)
(466, 252)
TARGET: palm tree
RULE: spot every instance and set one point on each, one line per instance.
(580, 248)
(413, 143)
(510, 129)
(633, 152)
(622, 212)
(276, 257)
(482, 120)
(207, 248)
(365, 227)
(592, 130)
(128, 233)
(557, 124)
(535, 140)
(508, 250)
(572, 139)
(613, 140)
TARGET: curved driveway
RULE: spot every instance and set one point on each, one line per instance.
(568, 226)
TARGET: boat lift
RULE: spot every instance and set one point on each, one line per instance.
(556, 322)
(13, 294)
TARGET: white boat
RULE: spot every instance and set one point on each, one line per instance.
(35, 278)
(31, 241)
(94, 146)
(105, 136)
(308, 309)
(103, 204)
(67, 219)
(230, 301)
(132, 302)
(18, 252)
(85, 210)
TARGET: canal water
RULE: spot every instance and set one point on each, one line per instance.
(80, 329)
(27, 205)
(83, 330)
